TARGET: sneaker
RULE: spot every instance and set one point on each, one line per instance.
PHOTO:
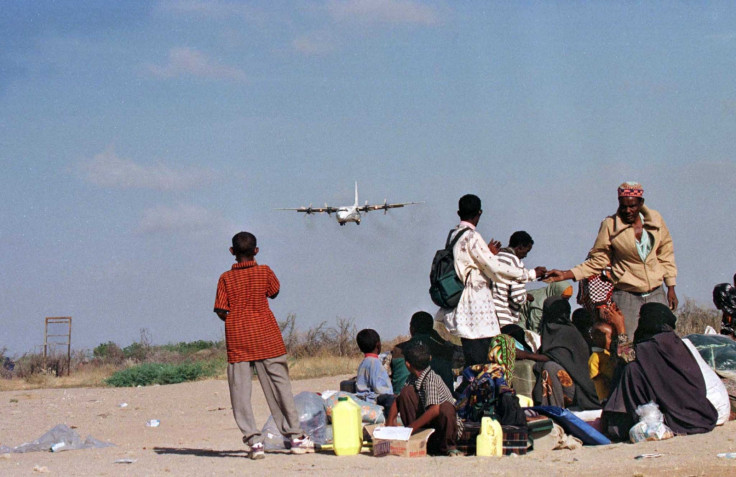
(301, 445)
(257, 451)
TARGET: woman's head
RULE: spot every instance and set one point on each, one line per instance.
(556, 310)
(654, 318)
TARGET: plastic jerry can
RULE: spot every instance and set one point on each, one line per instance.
(347, 427)
(490, 439)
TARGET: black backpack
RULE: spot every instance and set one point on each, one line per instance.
(445, 286)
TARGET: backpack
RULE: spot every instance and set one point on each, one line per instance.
(445, 287)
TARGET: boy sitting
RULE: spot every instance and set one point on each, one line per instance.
(426, 402)
(421, 329)
(372, 383)
(601, 364)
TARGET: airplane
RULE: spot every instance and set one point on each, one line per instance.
(350, 213)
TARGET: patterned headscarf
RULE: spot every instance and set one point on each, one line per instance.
(630, 189)
(502, 351)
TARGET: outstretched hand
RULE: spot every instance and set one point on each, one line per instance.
(555, 276)
(494, 246)
(540, 272)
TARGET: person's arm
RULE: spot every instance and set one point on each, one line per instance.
(599, 258)
(517, 295)
(523, 354)
(222, 302)
(666, 257)
(273, 285)
(428, 416)
(622, 346)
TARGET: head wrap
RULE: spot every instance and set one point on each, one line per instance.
(556, 310)
(630, 189)
(654, 318)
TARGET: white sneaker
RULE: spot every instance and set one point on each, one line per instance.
(257, 451)
(301, 445)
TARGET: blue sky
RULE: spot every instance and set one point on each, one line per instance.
(137, 138)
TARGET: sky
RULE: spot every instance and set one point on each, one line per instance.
(137, 137)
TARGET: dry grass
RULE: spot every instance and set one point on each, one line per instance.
(90, 377)
(318, 366)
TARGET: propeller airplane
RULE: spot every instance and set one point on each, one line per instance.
(350, 213)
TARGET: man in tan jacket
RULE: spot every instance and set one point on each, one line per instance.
(638, 245)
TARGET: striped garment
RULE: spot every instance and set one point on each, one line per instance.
(508, 295)
(251, 330)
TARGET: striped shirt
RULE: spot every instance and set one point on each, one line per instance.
(508, 295)
(430, 388)
(251, 330)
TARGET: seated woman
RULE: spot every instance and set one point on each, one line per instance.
(564, 380)
(658, 368)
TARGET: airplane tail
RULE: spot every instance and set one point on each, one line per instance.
(356, 194)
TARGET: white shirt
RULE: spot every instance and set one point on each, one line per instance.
(476, 266)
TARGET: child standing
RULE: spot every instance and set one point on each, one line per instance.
(254, 341)
(426, 402)
(372, 383)
(601, 364)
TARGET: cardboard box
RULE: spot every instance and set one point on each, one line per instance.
(414, 446)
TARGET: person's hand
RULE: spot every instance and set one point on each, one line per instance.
(606, 275)
(554, 276)
(494, 246)
(540, 272)
(529, 297)
(672, 298)
(612, 315)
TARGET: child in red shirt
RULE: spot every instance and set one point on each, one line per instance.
(253, 340)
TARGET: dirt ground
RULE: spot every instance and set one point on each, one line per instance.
(198, 436)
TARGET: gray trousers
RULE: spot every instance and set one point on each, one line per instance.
(273, 373)
(629, 303)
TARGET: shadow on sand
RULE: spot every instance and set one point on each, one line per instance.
(240, 453)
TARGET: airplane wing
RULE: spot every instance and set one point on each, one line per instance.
(312, 210)
(385, 206)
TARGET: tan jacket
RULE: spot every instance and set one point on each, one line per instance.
(616, 244)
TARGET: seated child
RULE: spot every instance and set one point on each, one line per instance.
(426, 402)
(421, 329)
(601, 364)
(372, 383)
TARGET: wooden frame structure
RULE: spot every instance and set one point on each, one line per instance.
(63, 339)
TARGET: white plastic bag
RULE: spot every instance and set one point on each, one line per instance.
(651, 426)
(715, 390)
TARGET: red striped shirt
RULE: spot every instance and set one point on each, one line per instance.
(251, 330)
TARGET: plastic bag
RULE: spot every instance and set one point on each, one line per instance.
(371, 413)
(312, 420)
(651, 426)
(60, 438)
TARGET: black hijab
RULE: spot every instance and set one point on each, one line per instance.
(564, 345)
(666, 373)
(654, 318)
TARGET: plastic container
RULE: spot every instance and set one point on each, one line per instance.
(490, 439)
(347, 427)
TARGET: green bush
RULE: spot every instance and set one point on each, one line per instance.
(159, 373)
(136, 351)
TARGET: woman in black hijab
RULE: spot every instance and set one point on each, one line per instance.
(563, 381)
(661, 370)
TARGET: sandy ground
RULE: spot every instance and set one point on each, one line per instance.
(198, 436)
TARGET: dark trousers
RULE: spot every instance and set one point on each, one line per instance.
(444, 436)
(475, 351)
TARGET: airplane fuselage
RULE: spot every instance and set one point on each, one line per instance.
(348, 214)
